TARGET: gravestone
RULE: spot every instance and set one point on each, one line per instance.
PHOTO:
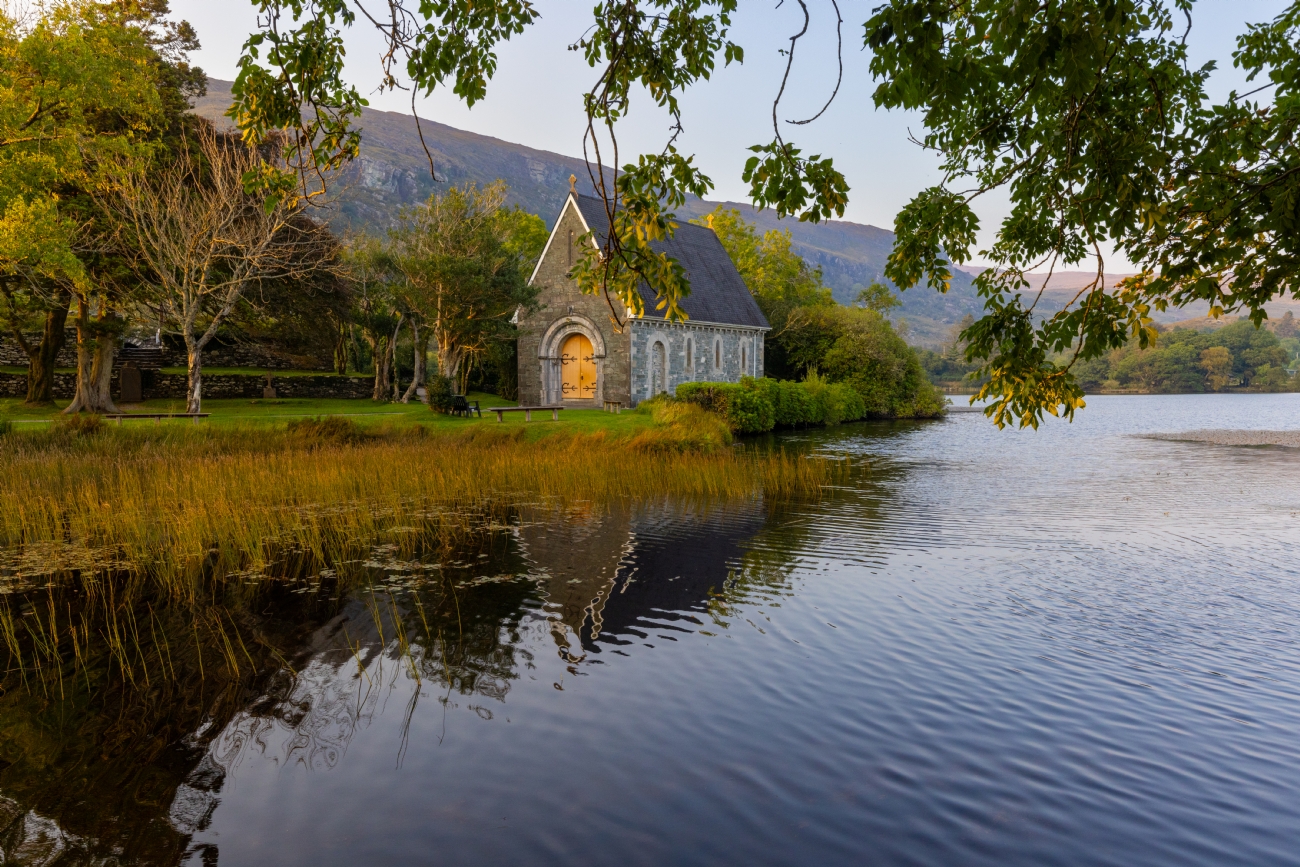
(268, 393)
(129, 389)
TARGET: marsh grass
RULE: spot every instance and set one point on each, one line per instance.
(121, 524)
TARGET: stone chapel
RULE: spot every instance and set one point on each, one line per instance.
(571, 355)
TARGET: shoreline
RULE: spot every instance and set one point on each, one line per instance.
(1283, 438)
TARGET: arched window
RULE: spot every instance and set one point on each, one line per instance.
(717, 353)
(658, 369)
(690, 345)
(743, 367)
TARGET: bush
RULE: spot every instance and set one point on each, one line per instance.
(847, 403)
(441, 398)
(832, 402)
(6, 427)
(744, 408)
(860, 349)
(794, 405)
(758, 405)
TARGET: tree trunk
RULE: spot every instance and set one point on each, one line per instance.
(42, 358)
(193, 377)
(101, 373)
(419, 346)
(392, 352)
(341, 350)
(449, 364)
(94, 363)
(379, 356)
(355, 346)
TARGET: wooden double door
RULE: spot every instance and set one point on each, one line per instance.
(577, 369)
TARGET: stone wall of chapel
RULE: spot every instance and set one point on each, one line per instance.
(703, 338)
(559, 297)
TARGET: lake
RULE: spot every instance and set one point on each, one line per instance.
(1072, 646)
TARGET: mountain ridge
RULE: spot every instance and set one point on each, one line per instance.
(392, 171)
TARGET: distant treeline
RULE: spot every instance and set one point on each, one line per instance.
(1236, 357)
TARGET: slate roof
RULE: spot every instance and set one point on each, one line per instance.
(718, 293)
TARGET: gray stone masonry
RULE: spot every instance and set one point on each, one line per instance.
(215, 355)
(562, 311)
(626, 362)
(170, 385)
(740, 351)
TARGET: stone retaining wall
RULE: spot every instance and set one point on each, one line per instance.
(215, 355)
(170, 385)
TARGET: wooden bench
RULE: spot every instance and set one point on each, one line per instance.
(156, 416)
(526, 410)
(614, 406)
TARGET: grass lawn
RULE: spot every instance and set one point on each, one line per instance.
(365, 412)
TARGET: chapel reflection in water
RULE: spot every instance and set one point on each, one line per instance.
(130, 773)
(611, 578)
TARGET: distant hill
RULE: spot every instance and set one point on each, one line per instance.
(1066, 285)
(393, 171)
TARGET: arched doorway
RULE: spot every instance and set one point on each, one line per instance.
(577, 368)
(658, 370)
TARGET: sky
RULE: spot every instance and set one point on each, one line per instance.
(535, 97)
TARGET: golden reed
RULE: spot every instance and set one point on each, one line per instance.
(172, 503)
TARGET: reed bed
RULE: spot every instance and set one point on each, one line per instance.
(136, 535)
(175, 505)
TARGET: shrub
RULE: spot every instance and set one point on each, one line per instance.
(826, 404)
(441, 398)
(6, 427)
(847, 402)
(861, 349)
(791, 405)
(745, 409)
(794, 404)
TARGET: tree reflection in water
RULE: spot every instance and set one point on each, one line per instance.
(128, 762)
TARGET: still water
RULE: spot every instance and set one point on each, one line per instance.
(1076, 646)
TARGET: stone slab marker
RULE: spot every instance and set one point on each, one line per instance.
(129, 388)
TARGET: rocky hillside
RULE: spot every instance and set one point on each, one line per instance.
(393, 171)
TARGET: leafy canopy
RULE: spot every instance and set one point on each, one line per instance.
(1088, 116)
(1085, 114)
(291, 77)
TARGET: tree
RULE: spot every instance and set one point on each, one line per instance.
(460, 275)
(204, 243)
(859, 347)
(374, 278)
(878, 297)
(37, 268)
(79, 82)
(1089, 117)
(1185, 361)
(778, 278)
(1217, 364)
